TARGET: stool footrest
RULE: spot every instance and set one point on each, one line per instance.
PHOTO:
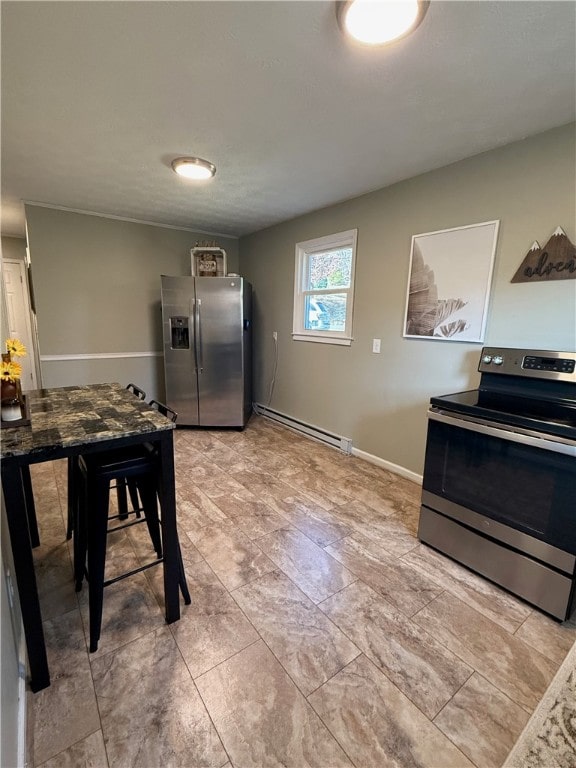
(124, 515)
(132, 572)
(124, 525)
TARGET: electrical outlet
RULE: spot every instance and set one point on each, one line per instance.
(376, 346)
(275, 335)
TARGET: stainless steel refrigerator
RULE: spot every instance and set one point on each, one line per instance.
(207, 329)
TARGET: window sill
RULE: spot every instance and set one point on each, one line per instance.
(341, 341)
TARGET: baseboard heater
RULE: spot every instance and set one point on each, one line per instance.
(343, 444)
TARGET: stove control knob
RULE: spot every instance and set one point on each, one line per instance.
(487, 359)
(497, 359)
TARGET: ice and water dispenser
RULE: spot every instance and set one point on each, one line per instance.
(179, 332)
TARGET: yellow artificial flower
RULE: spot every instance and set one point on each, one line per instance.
(15, 347)
(10, 371)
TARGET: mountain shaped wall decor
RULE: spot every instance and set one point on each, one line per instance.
(555, 261)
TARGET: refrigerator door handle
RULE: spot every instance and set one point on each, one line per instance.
(193, 325)
(199, 337)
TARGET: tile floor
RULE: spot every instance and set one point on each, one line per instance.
(321, 633)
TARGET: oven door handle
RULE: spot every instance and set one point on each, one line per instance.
(485, 428)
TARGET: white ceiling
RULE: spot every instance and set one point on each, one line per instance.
(99, 97)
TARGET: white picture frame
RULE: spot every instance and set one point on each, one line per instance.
(449, 283)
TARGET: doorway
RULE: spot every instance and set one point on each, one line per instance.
(18, 311)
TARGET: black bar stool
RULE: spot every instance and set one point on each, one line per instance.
(137, 467)
(140, 394)
(130, 482)
(120, 485)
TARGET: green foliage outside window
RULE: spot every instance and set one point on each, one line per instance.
(331, 269)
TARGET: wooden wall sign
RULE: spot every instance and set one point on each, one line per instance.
(556, 261)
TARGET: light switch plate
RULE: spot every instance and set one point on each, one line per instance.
(376, 345)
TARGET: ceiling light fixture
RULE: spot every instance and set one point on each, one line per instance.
(193, 168)
(378, 22)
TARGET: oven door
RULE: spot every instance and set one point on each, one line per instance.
(514, 486)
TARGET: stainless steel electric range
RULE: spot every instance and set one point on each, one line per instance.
(499, 487)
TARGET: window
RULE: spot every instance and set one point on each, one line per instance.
(324, 288)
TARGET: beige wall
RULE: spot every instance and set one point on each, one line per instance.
(13, 248)
(380, 401)
(97, 288)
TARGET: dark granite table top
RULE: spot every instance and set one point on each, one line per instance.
(64, 417)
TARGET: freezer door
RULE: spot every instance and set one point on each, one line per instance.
(220, 356)
(179, 322)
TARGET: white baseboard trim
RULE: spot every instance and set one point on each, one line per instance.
(97, 356)
(396, 468)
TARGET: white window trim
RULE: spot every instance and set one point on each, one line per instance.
(338, 240)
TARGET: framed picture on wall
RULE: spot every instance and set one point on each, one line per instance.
(449, 283)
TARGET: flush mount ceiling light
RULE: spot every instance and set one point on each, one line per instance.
(378, 22)
(193, 168)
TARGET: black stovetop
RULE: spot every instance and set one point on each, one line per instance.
(539, 413)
